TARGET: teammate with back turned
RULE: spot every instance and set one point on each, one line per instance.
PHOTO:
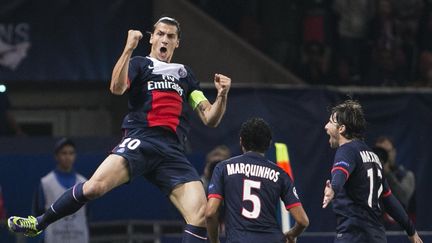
(357, 186)
(250, 186)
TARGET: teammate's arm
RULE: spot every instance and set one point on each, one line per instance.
(119, 77)
(211, 114)
(393, 207)
(301, 223)
(212, 218)
(334, 186)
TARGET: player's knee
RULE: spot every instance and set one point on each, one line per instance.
(93, 190)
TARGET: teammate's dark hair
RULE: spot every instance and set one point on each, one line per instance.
(350, 114)
(169, 21)
(255, 135)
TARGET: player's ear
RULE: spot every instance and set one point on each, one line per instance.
(151, 38)
(178, 43)
(342, 129)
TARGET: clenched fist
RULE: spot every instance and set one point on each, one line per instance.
(222, 84)
(134, 36)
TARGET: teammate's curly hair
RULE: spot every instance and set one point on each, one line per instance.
(255, 135)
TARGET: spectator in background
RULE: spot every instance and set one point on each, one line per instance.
(315, 64)
(218, 154)
(354, 17)
(8, 124)
(73, 228)
(388, 61)
(401, 180)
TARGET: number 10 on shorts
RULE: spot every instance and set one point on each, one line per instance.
(130, 143)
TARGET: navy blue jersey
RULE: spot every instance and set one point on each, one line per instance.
(251, 187)
(159, 93)
(357, 204)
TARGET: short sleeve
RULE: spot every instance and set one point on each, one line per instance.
(344, 161)
(289, 193)
(134, 69)
(215, 188)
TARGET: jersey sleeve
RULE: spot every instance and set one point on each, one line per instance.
(215, 188)
(135, 64)
(289, 194)
(344, 161)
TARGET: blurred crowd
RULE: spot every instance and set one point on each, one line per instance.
(338, 42)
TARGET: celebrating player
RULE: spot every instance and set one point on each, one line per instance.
(155, 131)
(250, 187)
(357, 185)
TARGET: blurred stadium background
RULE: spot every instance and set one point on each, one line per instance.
(289, 61)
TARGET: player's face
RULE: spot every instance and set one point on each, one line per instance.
(333, 130)
(164, 41)
(66, 158)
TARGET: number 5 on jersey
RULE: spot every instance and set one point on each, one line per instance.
(249, 196)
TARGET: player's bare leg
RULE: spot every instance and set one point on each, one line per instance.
(112, 173)
(190, 200)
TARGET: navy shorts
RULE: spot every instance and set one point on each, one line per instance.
(156, 154)
(241, 236)
(357, 234)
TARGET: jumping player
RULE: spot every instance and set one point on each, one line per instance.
(357, 186)
(250, 186)
(155, 130)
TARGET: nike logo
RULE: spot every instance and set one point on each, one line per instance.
(150, 67)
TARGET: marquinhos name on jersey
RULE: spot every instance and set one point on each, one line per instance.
(253, 170)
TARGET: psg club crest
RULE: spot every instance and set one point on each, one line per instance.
(182, 72)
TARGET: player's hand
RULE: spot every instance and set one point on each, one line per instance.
(290, 239)
(222, 84)
(134, 36)
(415, 238)
(328, 194)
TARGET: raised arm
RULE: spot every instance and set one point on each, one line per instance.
(211, 114)
(119, 77)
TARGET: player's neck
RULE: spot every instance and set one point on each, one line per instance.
(255, 152)
(343, 141)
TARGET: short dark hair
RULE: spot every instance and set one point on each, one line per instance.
(255, 135)
(350, 114)
(61, 143)
(169, 21)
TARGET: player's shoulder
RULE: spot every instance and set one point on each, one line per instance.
(351, 147)
(140, 59)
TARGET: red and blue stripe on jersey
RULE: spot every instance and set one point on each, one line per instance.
(158, 95)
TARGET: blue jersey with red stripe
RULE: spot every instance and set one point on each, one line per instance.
(357, 203)
(158, 95)
(251, 187)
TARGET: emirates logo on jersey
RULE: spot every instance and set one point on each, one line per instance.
(165, 85)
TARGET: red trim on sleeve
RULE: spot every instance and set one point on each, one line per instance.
(128, 83)
(342, 169)
(215, 196)
(293, 205)
(386, 194)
